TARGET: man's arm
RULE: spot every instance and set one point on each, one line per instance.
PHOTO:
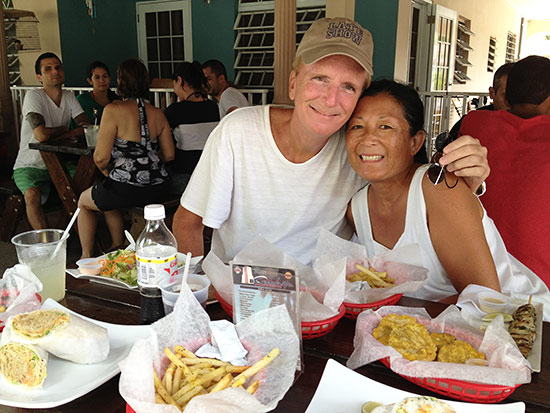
(40, 131)
(187, 228)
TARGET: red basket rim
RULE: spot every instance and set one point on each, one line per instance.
(378, 303)
(341, 312)
(502, 392)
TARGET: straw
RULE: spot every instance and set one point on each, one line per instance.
(66, 232)
(186, 269)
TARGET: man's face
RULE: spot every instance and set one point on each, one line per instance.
(325, 93)
(51, 72)
(213, 84)
(499, 95)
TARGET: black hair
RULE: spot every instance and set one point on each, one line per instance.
(529, 81)
(94, 65)
(38, 63)
(503, 70)
(215, 66)
(133, 79)
(190, 73)
(410, 102)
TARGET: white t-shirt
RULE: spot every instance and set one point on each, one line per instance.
(231, 97)
(37, 101)
(244, 187)
(515, 278)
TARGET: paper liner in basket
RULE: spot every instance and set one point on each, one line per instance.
(188, 326)
(408, 278)
(506, 367)
(322, 287)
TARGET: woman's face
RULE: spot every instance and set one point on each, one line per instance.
(378, 140)
(100, 79)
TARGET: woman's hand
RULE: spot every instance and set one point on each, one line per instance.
(467, 158)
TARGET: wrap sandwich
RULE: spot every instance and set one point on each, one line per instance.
(23, 365)
(61, 333)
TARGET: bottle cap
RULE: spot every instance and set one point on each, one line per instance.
(154, 211)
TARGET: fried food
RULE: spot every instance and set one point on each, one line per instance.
(458, 352)
(415, 342)
(376, 279)
(388, 323)
(523, 329)
(441, 339)
(188, 376)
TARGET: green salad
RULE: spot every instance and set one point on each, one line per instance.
(121, 265)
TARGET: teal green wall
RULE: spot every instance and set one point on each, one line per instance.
(213, 35)
(380, 18)
(114, 39)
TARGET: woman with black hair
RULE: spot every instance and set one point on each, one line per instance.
(191, 119)
(93, 103)
(133, 144)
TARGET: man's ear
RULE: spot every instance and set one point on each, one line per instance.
(292, 85)
(492, 92)
(39, 77)
(89, 81)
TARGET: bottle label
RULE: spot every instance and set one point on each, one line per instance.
(153, 269)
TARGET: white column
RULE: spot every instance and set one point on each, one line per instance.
(341, 8)
(285, 48)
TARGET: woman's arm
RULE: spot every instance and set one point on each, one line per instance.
(166, 142)
(457, 234)
(108, 130)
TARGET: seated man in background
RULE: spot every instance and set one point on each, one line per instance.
(47, 114)
(228, 97)
(497, 93)
(518, 143)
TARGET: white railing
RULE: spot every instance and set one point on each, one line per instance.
(443, 109)
(161, 98)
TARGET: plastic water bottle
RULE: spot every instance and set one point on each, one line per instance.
(156, 258)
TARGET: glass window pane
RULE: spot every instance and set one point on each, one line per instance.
(244, 59)
(244, 79)
(256, 20)
(268, 59)
(257, 39)
(256, 59)
(153, 70)
(165, 49)
(256, 79)
(152, 50)
(269, 19)
(177, 48)
(269, 39)
(150, 24)
(245, 19)
(268, 79)
(177, 22)
(164, 23)
(244, 39)
(166, 70)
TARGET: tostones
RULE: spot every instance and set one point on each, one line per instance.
(458, 352)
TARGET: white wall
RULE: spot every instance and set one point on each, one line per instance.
(48, 27)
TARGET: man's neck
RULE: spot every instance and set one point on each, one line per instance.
(525, 110)
(219, 95)
(55, 93)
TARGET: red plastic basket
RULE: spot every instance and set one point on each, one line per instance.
(312, 329)
(461, 390)
(353, 309)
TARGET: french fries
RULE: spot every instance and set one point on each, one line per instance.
(376, 279)
(188, 376)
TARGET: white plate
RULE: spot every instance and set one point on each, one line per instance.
(113, 282)
(343, 390)
(67, 381)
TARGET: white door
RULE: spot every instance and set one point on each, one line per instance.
(164, 35)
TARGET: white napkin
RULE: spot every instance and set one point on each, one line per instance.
(22, 285)
(468, 301)
(225, 346)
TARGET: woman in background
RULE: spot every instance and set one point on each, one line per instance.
(191, 119)
(93, 103)
(134, 142)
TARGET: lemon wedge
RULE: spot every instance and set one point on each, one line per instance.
(490, 317)
(369, 407)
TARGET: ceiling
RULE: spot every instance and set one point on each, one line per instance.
(533, 9)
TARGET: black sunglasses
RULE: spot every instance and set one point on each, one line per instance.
(436, 172)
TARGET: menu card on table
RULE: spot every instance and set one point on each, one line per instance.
(257, 288)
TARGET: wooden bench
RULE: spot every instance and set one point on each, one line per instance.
(14, 210)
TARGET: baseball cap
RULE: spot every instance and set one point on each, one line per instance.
(337, 36)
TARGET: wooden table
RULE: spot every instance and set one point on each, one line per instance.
(68, 188)
(122, 306)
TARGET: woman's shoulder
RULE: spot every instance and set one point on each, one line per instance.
(451, 194)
